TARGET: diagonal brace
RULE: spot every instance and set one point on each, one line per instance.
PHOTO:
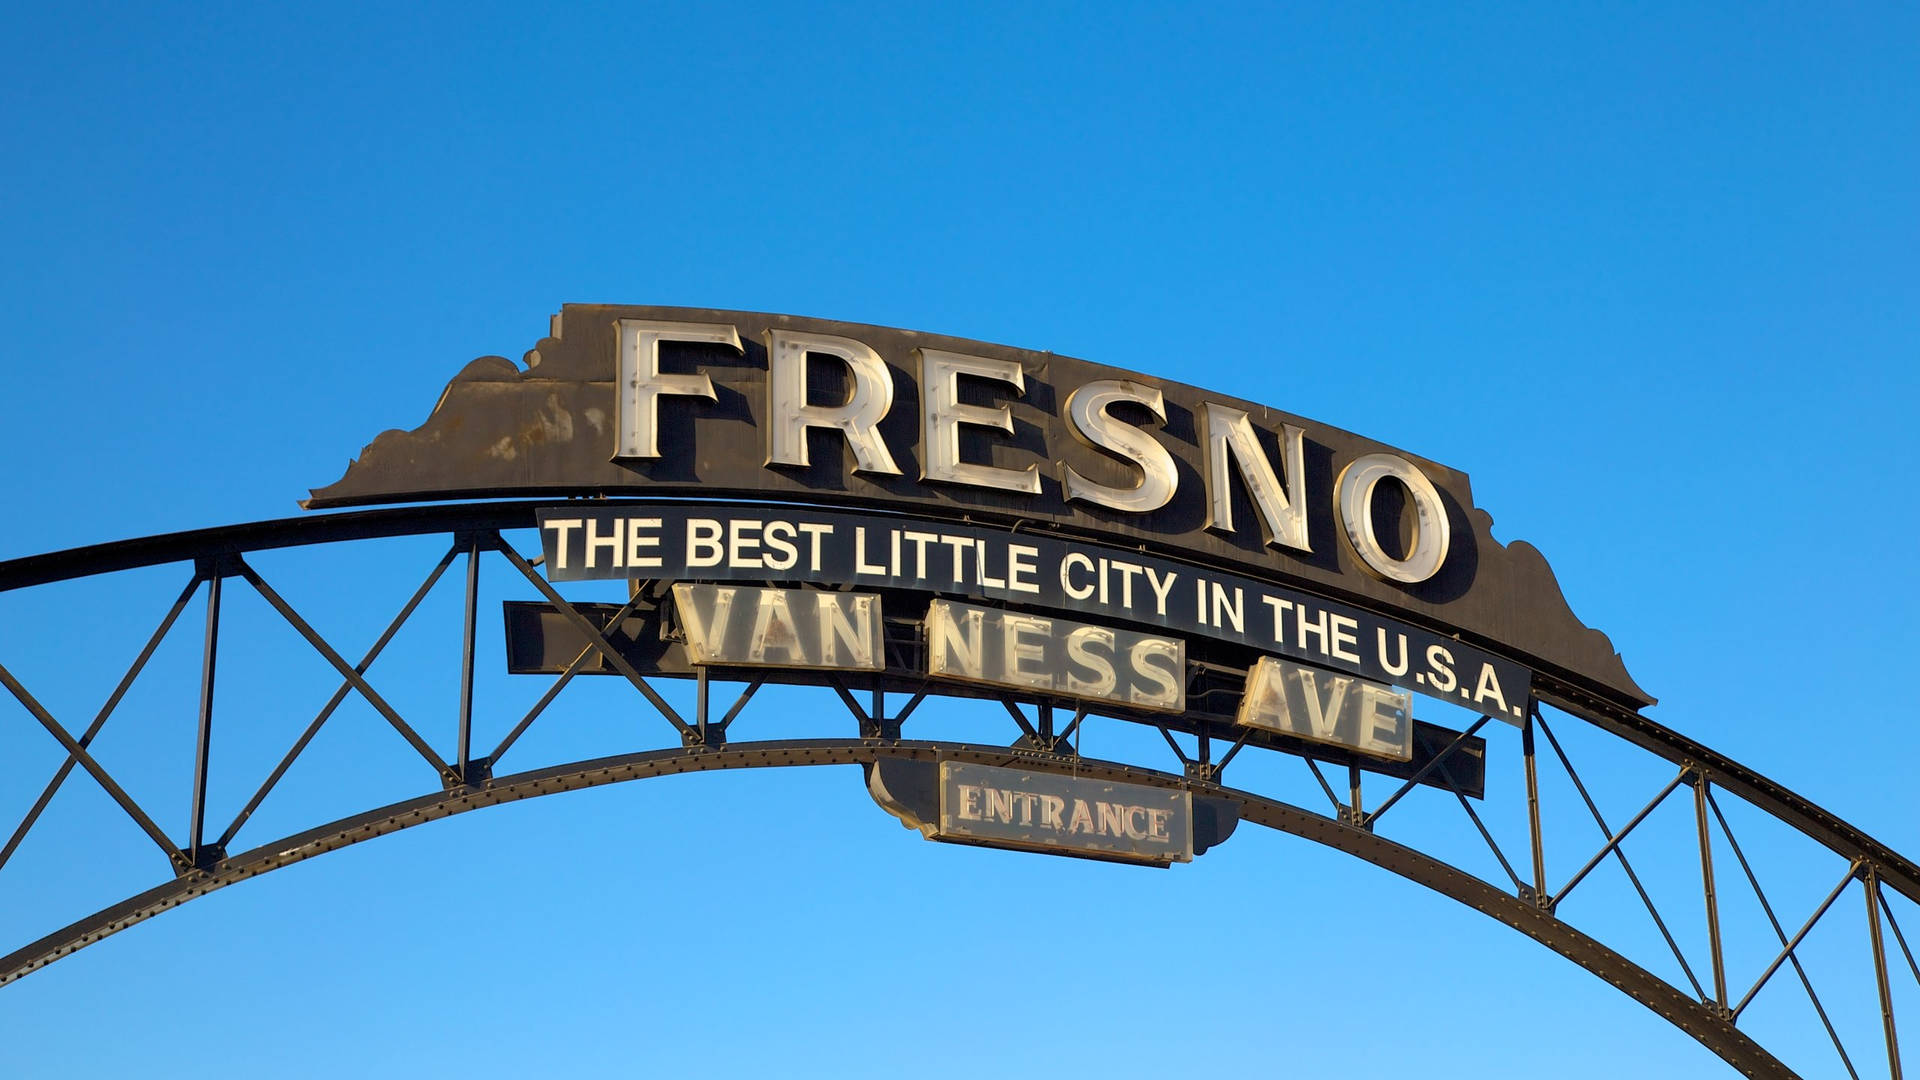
(559, 684)
(345, 669)
(1853, 871)
(1621, 854)
(339, 695)
(79, 753)
(593, 636)
(99, 720)
(1613, 840)
(1438, 760)
(1781, 933)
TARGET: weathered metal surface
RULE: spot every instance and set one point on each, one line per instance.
(550, 429)
(1039, 810)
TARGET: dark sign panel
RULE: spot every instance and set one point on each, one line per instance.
(726, 543)
(726, 404)
(543, 641)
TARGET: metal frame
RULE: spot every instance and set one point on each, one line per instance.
(1710, 1010)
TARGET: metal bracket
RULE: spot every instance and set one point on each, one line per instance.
(713, 736)
(225, 565)
(209, 856)
(479, 772)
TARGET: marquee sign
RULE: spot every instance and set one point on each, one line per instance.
(1011, 450)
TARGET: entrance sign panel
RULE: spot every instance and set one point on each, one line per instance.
(759, 543)
(1327, 707)
(685, 402)
(1040, 811)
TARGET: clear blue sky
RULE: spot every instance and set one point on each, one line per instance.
(1647, 273)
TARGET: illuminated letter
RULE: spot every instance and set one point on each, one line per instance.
(1226, 435)
(641, 382)
(836, 627)
(1324, 717)
(948, 651)
(1168, 678)
(1265, 703)
(1017, 647)
(941, 415)
(1353, 501)
(1102, 683)
(1087, 418)
(774, 628)
(706, 629)
(789, 416)
(1383, 722)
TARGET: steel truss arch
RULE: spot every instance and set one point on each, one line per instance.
(1690, 1016)
(1708, 1009)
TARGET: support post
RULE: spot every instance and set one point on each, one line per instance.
(700, 702)
(1533, 810)
(466, 660)
(1707, 886)
(203, 744)
(1872, 882)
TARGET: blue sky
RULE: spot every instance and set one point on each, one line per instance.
(1646, 273)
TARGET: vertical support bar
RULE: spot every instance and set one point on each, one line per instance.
(700, 702)
(1872, 880)
(1706, 881)
(1533, 809)
(1353, 789)
(466, 657)
(203, 745)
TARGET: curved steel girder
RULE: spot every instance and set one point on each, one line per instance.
(1800, 813)
(1695, 1018)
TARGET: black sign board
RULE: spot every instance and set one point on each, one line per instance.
(543, 641)
(759, 543)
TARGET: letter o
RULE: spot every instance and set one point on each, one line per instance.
(1353, 502)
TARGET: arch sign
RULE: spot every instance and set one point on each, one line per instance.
(880, 511)
(971, 515)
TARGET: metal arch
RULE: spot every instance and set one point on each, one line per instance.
(1711, 1017)
(1829, 829)
(1690, 1016)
